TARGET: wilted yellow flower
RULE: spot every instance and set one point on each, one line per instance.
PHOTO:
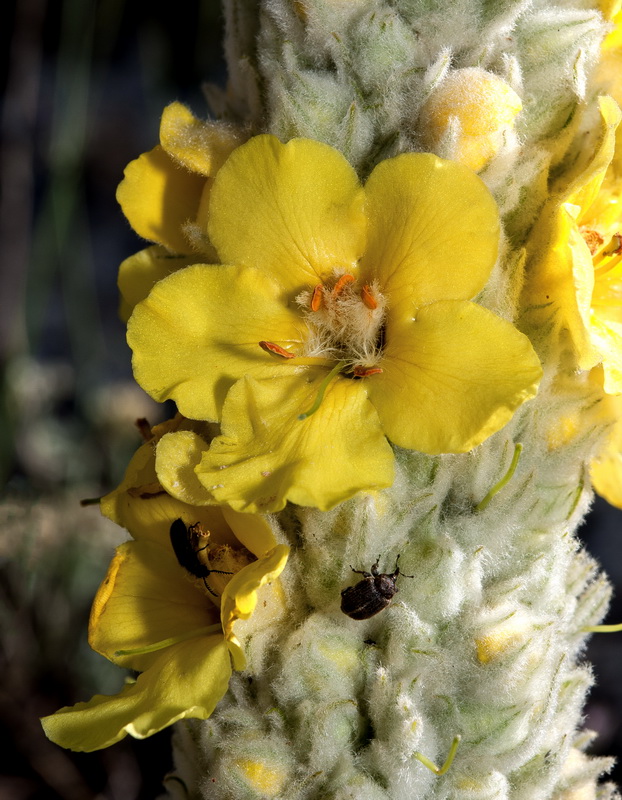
(172, 622)
(340, 315)
(164, 195)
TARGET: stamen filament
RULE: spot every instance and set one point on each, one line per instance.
(607, 266)
(339, 367)
(343, 281)
(367, 297)
(152, 648)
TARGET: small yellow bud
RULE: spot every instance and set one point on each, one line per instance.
(485, 106)
(269, 780)
(501, 637)
(565, 430)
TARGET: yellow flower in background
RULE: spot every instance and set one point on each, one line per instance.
(338, 316)
(153, 615)
(483, 105)
(164, 195)
(573, 272)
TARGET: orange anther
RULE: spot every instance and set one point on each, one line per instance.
(270, 347)
(367, 297)
(343, 281)
(316, 297)
(365, 372)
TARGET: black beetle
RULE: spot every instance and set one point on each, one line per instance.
(185, 543)
(369, 596)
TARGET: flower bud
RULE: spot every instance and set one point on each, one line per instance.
(485, 107)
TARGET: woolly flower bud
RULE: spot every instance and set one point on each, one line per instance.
(502, 636)
(266, 779)
(483, 105)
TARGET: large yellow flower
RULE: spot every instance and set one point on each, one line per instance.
(151, 614)
(164, 195)
(338, 315)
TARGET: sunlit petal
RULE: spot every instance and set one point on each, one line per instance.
(294, 210)
(452, 378)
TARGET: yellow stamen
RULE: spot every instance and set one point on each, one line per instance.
(612, 248)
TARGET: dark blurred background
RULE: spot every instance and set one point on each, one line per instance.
(83, 87)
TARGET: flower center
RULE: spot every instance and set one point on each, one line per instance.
(221, 561)
(346, 321)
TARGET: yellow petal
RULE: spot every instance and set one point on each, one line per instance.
(159, 197)
(606, 469)
(560, 279)
(142, 506)
(185, 680)
(452, 378)
(607, 338)
(253, 530)
(201, 147)
(240, 596)
(609, 8)
(294, 210)
(433, 232)
(266, 455)
(147, 597)
(177, 457)
(139, 273)
(584, 188)
(199, 330)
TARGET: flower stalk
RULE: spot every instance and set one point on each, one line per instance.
(364, 292)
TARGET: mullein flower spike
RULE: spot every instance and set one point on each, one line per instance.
(374, 351)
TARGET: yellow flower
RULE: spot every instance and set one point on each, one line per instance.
(574, 270)
(164, 195)
(153, 615)
(485, 107)
(338, 316)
